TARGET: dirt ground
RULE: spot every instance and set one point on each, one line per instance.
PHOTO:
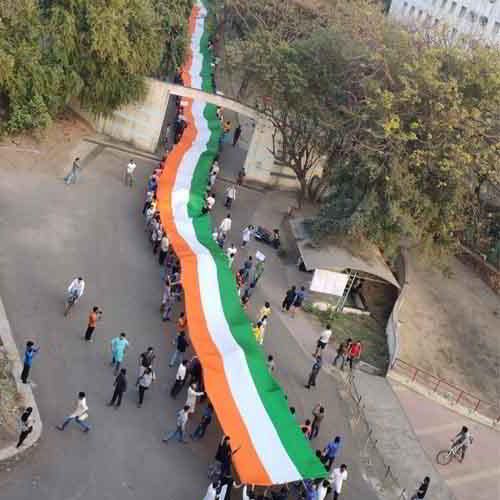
(9, 409)
(50, 151)
(450, 327)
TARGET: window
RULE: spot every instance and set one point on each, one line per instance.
(463, 10)
(496, 28)
(483, 21)
(453, 7)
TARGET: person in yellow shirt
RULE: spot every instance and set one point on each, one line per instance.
(265, 310)
(257, 332)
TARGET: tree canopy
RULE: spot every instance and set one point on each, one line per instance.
(405, 129)
(98, 52)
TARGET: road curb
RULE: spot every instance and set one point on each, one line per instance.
(24, 390)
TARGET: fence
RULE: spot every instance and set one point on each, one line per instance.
(369, 451)
(453, 394)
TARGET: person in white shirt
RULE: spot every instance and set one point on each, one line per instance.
(231, 253)
(230, 196)
(192, 394)
(247, 232)
(79, 415)
(164, 243)
(225, 225)
(180, 430)
(76, 287)
(338, 476)
(323, 490)
(323, 340)
(209, 204)
(129, 173)
(180, 378)
(144, 383)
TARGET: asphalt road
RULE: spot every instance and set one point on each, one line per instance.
(51, 233)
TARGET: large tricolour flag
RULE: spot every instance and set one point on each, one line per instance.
(249, 403)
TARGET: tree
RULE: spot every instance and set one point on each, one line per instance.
(435, 122)
(99, 52)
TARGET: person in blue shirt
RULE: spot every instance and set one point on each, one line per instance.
(29, 354)
(118, 347)
(199, 432)
(331, 450)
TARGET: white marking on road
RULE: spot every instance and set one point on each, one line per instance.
(474, 476)
(425, 431)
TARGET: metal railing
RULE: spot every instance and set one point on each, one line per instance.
(455, 395)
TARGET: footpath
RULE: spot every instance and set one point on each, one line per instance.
(395, 461)
(10, 452)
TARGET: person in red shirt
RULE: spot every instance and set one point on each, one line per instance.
(94, 316)
(354, 353)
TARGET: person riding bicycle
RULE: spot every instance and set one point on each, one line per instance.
(463, 439)
(76, 289)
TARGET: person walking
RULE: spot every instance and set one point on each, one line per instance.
(180, 379)
(164, 244)
(314, 372)
(147, 358)
(30, 352)
(231, 254)
(245, 270)
(180, 430)
(323, 340)
(167, 301)
(192, 394)
(342, 351)
(180, 348)
(25, 427)
(330, 451)
(289, 298)
(144, 384)
(129, 173)
(236, 136)
(298, 300)
(337, 477)
(318, 416)
(182, 323)
(265, 310)
(73, 174)
(230, 196)
(422, 490)
(354, 354)
(323, 490)
(225, 226)
(94, 317)
(247, 233)
(271, 366)
(306, 428)
(256, 330)
(80, 415)
(119, 346)
(206, 418)
(120, 384)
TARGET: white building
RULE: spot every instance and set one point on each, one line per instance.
(477, 18)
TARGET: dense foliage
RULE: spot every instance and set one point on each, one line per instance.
(99, 52)
(406, 129)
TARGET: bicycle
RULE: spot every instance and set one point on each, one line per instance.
(70, 302)
(444, 457)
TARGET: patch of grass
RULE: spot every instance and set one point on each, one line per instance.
(8, 399)
(363, 328)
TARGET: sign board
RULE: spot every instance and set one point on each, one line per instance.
(329, 282)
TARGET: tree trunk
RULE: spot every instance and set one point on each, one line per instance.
(303, 189)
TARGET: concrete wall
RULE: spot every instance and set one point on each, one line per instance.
(478, 18)
(393, 324)
(138, 124)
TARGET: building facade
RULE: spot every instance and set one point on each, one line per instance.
(479, 19)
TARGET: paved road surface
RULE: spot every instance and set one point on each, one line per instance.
(478, 477)
(51, 233)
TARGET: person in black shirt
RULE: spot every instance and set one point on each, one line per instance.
(422, 490)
